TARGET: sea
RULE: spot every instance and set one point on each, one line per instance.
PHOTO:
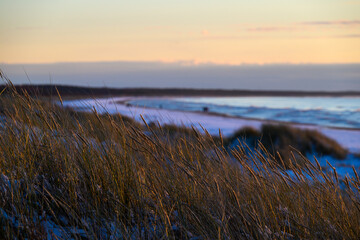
(341, 112)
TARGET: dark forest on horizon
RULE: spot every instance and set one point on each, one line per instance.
(77, 91)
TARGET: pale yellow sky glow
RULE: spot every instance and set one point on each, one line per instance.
(226, 32)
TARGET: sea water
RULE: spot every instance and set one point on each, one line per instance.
(325, 111)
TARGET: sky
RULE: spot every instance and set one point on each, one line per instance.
(227, 32)
(301, 77)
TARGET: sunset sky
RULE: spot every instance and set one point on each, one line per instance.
(193, 31)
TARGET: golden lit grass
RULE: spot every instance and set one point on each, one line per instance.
(77, 175)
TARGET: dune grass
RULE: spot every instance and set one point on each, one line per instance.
(75, 175)
(281, 140)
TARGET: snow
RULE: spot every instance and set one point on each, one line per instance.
(325, 111)
(349, 139)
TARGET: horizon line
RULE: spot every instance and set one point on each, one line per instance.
(185, 63)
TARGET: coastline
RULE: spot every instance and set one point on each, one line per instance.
(270, 121)
(212, 122)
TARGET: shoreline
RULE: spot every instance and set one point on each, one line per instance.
(347, 137)
(271, 121)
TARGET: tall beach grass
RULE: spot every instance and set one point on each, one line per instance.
(66, 174)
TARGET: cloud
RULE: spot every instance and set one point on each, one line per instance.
(340, 22)
(321, 77)
(348, 36)
(221, 37)
(270, 29)
(303, 26)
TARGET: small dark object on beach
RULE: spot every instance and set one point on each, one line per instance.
(205, 109)
(128, 104)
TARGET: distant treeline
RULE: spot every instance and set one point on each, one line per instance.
(73, 91)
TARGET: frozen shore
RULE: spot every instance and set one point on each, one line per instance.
(348, 138)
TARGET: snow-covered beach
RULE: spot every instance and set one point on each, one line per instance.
(348, 138)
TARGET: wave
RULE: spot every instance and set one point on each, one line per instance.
(316, 115)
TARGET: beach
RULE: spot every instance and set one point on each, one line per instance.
(348, 138)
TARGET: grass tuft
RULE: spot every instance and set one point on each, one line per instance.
(286, 143)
